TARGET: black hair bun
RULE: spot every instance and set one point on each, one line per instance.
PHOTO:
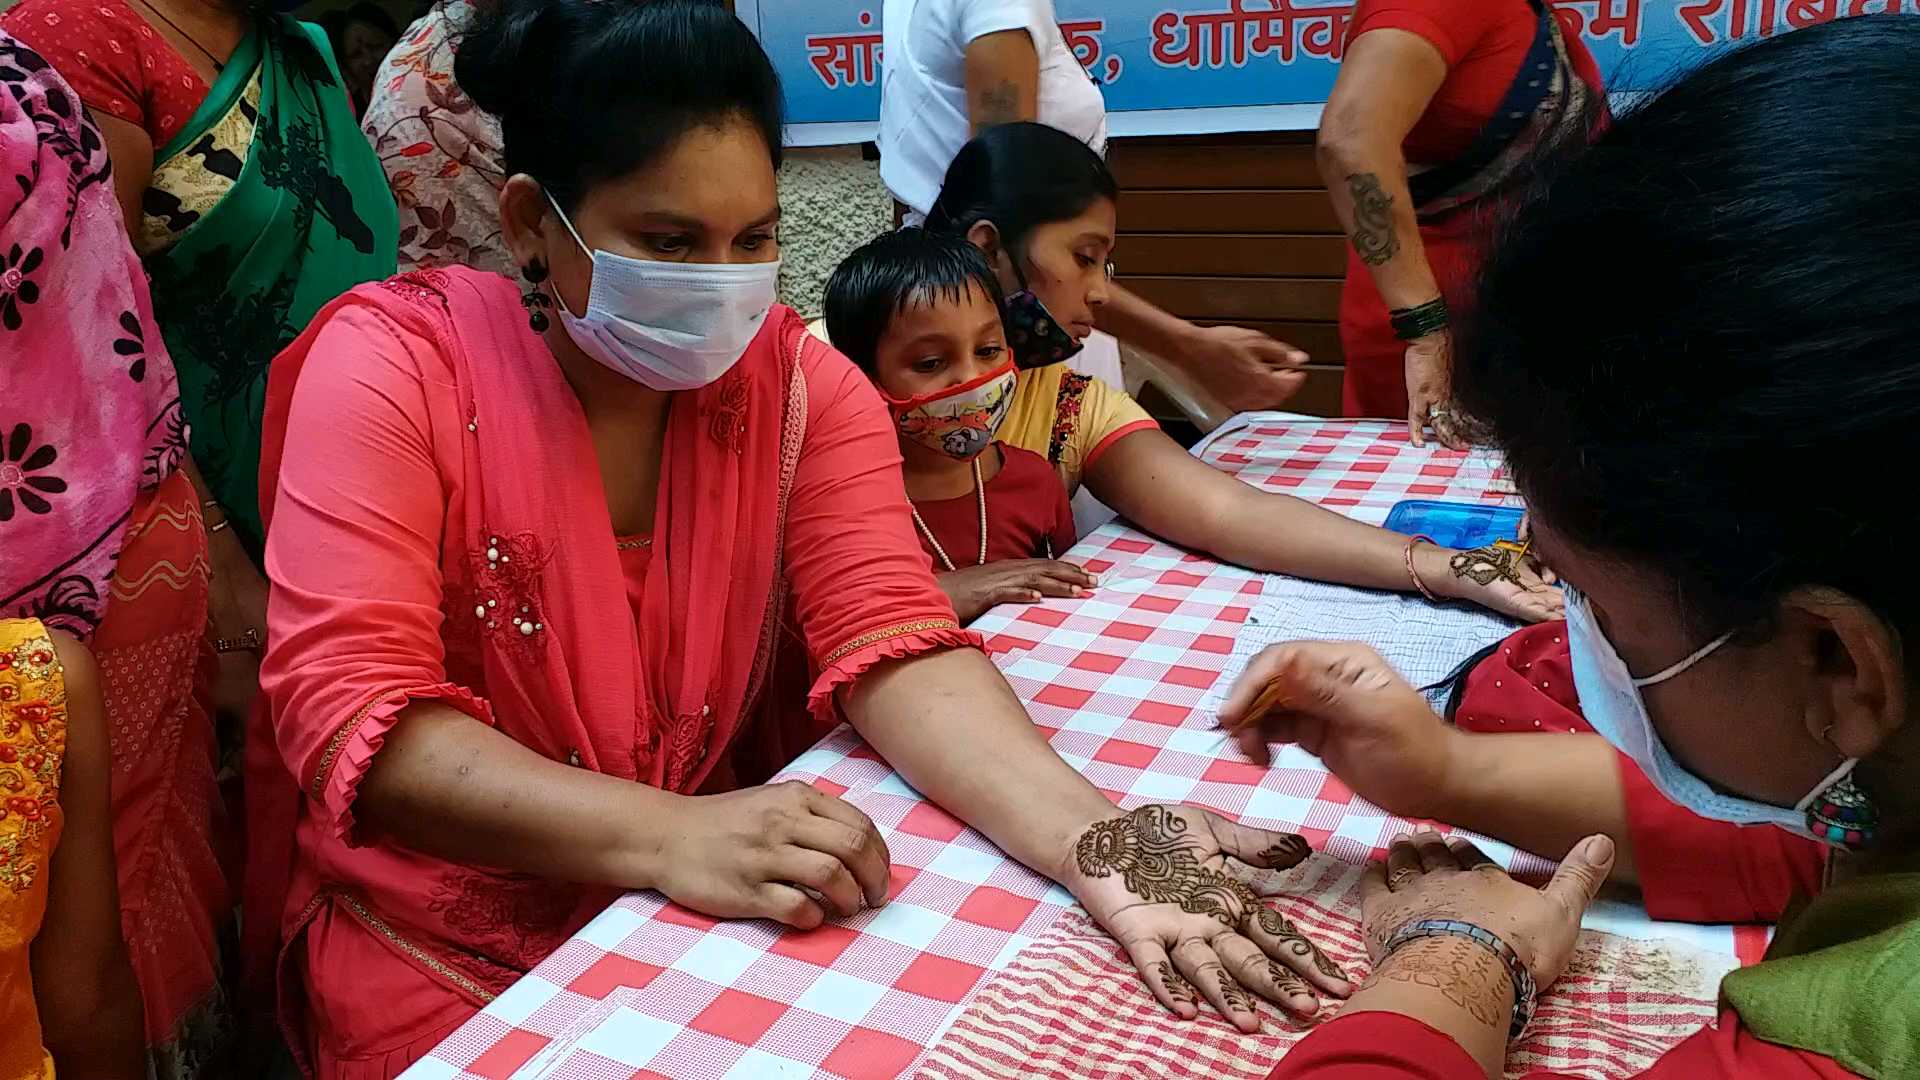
(498, 51)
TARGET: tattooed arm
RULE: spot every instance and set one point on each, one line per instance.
(1170, 493)
(1386, 82)
(1003, 80)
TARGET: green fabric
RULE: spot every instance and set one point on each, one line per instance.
(309, 217)
(1842, 978)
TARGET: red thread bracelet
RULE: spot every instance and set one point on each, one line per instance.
(1414, 575)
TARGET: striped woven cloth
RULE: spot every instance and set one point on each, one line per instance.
(1071, 1008)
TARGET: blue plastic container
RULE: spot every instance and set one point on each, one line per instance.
(1454, 524)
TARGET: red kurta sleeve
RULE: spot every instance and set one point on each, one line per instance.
(862, 589)
(1376, 1046)
(1388, 1046)
(354, 615)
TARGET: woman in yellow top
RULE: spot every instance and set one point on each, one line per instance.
(1042, 207)
(67, 995)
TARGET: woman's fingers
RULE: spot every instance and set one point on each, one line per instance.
(1417, 420)
(1403, 864)
(1469, 855)
(1263, 848)
(1046, 583)
(826, 877)
(1013, 593)
(1264, 975)
(1168, 986)
(871, 863)
(1433, 851)
(788, 905)
(1280, 939)
(1255, 682)
(1196, 960)
(849, 847)
(1067, 572)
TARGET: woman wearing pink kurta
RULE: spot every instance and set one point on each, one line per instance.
(551, 590)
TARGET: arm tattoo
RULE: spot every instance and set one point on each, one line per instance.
(1468, 977)
(996, 105)
(1483, 566)
(1373, 235)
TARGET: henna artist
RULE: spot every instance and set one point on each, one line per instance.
(1738, 613)
(1436, 103)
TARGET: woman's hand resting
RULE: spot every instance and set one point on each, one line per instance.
(1157, 879)
(1427, 876)
(975, 590)
(786, 852)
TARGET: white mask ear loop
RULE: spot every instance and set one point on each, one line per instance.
(1698, 655)
(1820, 788)
(564, 220)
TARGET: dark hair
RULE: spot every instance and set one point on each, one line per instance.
(1019, 176)
(1698, 346)
(589, 90)
(886, 274)
(371, 15)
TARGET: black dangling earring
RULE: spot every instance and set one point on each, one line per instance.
(533, 299)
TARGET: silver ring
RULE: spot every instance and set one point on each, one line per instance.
(1438, 412)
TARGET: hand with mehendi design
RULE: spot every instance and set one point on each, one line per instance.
(1498, 578)
(1157, 879)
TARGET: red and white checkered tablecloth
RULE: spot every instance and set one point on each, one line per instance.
(650, 990)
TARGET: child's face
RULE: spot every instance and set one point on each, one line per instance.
(937, 342)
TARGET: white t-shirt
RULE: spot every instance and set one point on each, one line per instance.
(923, 96)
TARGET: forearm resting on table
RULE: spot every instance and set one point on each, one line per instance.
(950, 724)
(1538, 791)
(1170, 493)
(448, 785)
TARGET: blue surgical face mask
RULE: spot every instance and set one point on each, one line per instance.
(1835, 811)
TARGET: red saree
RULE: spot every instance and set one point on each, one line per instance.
(443, 535)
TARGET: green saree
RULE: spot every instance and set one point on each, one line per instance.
(309, 215)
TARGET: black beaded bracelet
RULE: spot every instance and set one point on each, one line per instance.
(1420, 320)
